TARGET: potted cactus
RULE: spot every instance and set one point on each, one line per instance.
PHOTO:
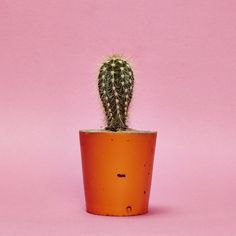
(117, 161)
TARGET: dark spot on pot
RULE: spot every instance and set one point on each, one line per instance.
(128, 209)
(127, 140)
(148, 173)
(144, 192)
(112, 139)
(144, 165)
(121, 175)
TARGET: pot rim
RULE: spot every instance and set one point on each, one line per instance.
(128, 131)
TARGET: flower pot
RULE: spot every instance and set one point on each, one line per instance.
(117, 171)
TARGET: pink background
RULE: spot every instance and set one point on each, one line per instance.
(184, 58)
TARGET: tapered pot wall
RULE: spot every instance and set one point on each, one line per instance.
(117, 171)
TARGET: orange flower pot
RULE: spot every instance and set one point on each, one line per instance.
(117, 171)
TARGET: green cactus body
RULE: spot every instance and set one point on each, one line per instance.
(115, 84)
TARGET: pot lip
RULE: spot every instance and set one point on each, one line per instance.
(128, 131)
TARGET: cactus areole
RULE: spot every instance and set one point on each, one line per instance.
(115, 84)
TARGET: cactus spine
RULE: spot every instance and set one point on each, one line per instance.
(115, 84)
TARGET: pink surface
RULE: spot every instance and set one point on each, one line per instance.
(184, 55)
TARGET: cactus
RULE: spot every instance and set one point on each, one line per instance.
(115, 84)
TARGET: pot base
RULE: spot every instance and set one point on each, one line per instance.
(113, 214)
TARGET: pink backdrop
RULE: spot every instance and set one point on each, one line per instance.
(184, 58)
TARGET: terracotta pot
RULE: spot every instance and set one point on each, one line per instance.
(117, 171)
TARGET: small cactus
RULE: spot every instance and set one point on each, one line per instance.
(115, 84)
